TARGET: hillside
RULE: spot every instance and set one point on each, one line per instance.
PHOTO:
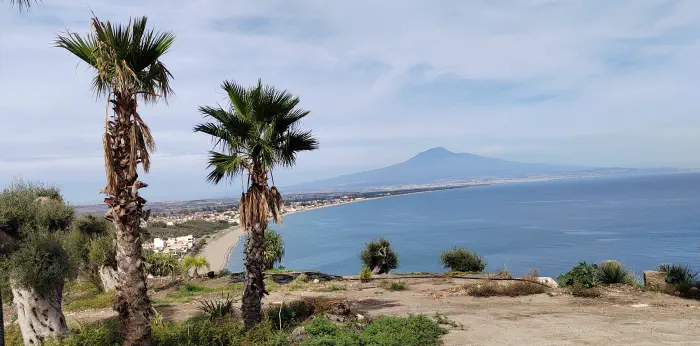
(437, 164)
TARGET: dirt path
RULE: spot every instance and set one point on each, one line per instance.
(618, 317)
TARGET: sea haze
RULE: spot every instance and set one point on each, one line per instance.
(642, 221)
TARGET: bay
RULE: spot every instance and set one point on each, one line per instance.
(550, 226)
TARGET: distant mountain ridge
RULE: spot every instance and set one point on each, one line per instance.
(434, 165)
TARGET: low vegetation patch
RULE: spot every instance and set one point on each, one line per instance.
(365, 274)
(583, 275)
(393, 285)
(462, 260)
(505, 289)
(218, 308)
(330, 288)
(613, 272)
(585, 292)
(96, 300)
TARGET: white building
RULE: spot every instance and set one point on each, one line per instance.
(158, 244)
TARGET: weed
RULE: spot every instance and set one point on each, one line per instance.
(365, 274)
(509, 289)
(393, 285)
(218, 308)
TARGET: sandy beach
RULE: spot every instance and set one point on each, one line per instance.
(216, 251)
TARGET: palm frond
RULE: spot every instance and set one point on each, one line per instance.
(225, 166)
(23, 4)
(294, 142)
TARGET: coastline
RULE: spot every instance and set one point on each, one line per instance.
(217, 252)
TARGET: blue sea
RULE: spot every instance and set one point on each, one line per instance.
(641, 221)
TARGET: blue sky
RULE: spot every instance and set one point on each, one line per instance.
(589, 82)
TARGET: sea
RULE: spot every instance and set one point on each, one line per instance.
(642, 221)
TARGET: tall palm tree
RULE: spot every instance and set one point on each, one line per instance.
(127, 65)
(259, 131)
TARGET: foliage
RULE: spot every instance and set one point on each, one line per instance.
(323, 332)
(393, 285)
(365, 274)
(292, 313)
(379, 256)
(509, 289)
(584, 276)
(161, 264)
(403, 331)
(41, 263)
(680, 276)
(102, 251)
(197, 228)
(194, 263)
(217, 308)
(613, 272)
(274, 248)
(91, 225)
(462, 260)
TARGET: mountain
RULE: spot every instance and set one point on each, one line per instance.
(437, 164)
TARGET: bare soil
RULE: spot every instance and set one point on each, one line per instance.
(622, 315)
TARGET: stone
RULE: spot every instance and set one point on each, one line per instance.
(108, 277)
(654, 280)
(360, 317)
(316, 281)
(339, 308)
(547, 281)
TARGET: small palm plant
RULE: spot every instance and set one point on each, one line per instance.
(258, 132)
(274, 248)
(194, 263)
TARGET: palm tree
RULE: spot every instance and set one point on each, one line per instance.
(127, 65)
(22, 5)
(274, 248)
(258, 132)
(194, 262)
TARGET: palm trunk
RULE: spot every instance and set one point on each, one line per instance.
(254, 279)
(125, 211)
(2, 322)
(39, 316)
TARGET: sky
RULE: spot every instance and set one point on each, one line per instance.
(588, 82)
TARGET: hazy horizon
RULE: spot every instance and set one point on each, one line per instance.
(581, 83)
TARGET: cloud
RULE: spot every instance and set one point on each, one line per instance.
(534, 80)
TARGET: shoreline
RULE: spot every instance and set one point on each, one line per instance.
(212, 250)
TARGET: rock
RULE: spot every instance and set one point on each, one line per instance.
(337, 318)
(108, 277)
(339, 308)
(549, 282)
(316, 281)
(654, 280)
(211, 275)
(360, 318)
(298, 335)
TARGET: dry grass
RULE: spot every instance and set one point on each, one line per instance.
(393, 285)
(585, 292)
(505, 289)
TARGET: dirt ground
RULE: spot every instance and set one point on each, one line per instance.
(621, 316)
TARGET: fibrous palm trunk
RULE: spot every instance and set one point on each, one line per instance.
(2, 322)
(254, 277)
(39, 316)
(125, 211)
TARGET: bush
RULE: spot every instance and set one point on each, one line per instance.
(511, 289)
(41, 263)
(323, 332)
(585, 292)
(584, 276)
(379, 256)
(679, 276)
(217, 308)
(91, 225)
(393, 285)
(365, 274)
(462, 260)
(403, 331)
(274, 248)
(613, 272)
(161, 264)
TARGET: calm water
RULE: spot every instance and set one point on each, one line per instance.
(641, 221)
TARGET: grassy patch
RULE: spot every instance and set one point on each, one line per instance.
(278, 271)
(84, 295)
(393, 285)
(510, 289)
(330, 288)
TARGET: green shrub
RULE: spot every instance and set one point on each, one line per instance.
(403, 331)
(584, 276)
(103, 333)
(217, 308)
(613, 272)
(274, 248)
(323, 332)
(41, 263)
(680, 276)
(462, 260)
(365, 274)
(161, 264)
(393, 285)
(91, 225)
(379, 256)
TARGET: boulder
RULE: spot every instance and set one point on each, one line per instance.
(654, 280)
(547, 281)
